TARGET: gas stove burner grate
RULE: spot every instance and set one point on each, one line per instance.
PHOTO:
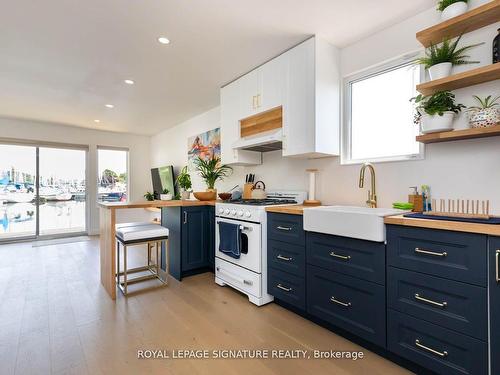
(263, 202)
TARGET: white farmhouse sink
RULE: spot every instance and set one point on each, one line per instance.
(349, 221)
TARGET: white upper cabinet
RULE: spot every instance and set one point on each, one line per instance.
(305, 82)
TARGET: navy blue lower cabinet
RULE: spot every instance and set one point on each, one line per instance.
(287, 288)
(447, 303)
(286, 228)
(353, 257)
(191, 239)
(435, 348)
(286, 257)
(355, 305)
(451, 255)
(494, 288)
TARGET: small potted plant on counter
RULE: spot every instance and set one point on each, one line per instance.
(184, 182)
(435, 113)
(149, 196)
(439, 59)
(486, 114)
(451, 8)
(165, 195)
(211, 170)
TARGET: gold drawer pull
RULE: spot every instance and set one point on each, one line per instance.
(420, 251)
(343, 257)
(421, 346)
(284, 288)
(439, 304)
(284, 228)
(497, 255)
(345, 304)
(281, 257)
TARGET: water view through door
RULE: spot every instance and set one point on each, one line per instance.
(53, 204)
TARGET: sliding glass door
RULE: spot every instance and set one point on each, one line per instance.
(18, 209)
(42, 191)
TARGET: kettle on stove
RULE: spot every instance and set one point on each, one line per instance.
(259, 190)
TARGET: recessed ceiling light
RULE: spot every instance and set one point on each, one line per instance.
(163, 40)
(109, 106)
(97, 121)
(129, 82)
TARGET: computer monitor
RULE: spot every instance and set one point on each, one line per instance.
(163, 178)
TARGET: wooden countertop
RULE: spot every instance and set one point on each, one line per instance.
(297, 209)
(490, 229)
(150, 204)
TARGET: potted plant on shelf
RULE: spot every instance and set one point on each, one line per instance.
(211, 170)
(165, 195)
(149, 196)
(184, 182)
(451, 8)
(486, 114)
(439, 59)
(435, 113)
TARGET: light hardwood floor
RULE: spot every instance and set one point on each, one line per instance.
(55, 317)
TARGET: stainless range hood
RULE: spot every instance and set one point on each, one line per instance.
(263, 142)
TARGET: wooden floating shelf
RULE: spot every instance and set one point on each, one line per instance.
(458, 135)
(474, 19)
(465, 79)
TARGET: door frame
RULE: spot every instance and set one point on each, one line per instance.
(43, 144)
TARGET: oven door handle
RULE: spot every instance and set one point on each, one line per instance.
(242, 227)
(234, 277)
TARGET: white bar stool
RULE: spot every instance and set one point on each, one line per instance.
(152, 235)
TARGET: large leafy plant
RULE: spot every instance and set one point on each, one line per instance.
(447, 51)
(436, 104)
(184, 179)
(485, 103)
(211, 170)
(443, 4)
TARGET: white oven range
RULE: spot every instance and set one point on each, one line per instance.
(248, 273)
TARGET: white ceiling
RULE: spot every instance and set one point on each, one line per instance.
(63, 60)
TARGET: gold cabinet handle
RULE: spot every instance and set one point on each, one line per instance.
(343, 257)
(497, 256)
(258, 101)
(430, 302)
(284, 288)
(427, 252)
(284, 228)
(345, 304)
(430, 350)
(281, 257)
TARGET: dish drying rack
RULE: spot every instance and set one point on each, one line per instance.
(460, 208)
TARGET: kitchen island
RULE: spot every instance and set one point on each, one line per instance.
(107, 222)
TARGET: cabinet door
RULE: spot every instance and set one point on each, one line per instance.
(494, 287)
(299, 125)
(211, 237)
(274, 83)
(231, 104)
(194, 238)
(249, 88)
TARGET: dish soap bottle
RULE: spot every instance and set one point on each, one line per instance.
(496, 48)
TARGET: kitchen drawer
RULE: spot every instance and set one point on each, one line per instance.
(435, 348)
(238, 277)
(452, 255)
(358, 258)
(449, 304)
(286, 228)
(355, 305)
(286, 287)
(286, 257)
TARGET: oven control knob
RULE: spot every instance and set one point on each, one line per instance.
(248, 214)
(240, 213)
(233, 212)
(221, 210)
(226, 211)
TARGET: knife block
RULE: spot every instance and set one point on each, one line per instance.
(247, 191)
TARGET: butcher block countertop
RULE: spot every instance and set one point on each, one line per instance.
(149, 204)
(490, 229)
(292, 210)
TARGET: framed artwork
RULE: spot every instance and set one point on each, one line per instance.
(205, 145)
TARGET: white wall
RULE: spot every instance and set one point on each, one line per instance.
(139, 154)
(465, 169)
